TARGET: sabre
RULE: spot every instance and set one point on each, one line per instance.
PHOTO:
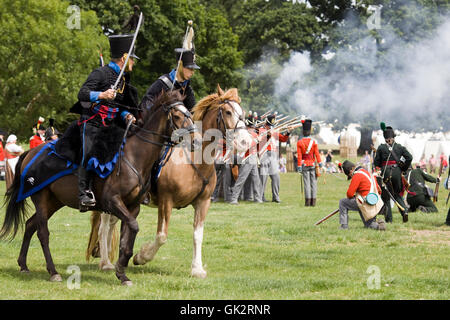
(114, 87)
(326, 217)
(392, 197)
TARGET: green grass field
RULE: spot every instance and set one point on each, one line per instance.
(251, 251)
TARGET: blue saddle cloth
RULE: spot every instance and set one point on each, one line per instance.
(48, 165)
(45, 167)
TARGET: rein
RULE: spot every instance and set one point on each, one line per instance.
(168, 142)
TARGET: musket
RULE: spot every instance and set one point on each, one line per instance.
(326, 217)
(436, 189)
(129, 53)
(266, 114)
(301, 183)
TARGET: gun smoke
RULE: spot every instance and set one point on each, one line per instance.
(409, 92)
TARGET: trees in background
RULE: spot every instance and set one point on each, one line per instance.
(238, 43)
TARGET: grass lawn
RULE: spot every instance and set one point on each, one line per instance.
(251, 251)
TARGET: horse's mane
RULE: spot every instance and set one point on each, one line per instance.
(212, 102)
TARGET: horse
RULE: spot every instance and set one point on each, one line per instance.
(183, 183)
(120, 194)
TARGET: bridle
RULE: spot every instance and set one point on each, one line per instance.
(177, 133)
(236, 112)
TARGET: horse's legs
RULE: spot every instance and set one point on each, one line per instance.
(149, 250)
(128, 232)
(201, 209)
(38, 222)
(104, 235)
(43, 234)
(30, 229)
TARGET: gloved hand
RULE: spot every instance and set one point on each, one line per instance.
(299, 169)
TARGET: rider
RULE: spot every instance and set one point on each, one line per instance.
(100, 106)
(177, 79)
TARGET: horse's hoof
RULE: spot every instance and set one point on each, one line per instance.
(127, 283)
(137, 261)
(24, 270)
(107, 267)
(55, 278)
(198, 273)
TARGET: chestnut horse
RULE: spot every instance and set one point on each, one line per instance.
(118, 194)
(183, 181)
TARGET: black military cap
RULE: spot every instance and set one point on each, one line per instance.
(187, 57)
(120, 44)
(347, 166)
(270, 120)
(388, 132)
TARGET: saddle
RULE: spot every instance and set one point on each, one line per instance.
(63, 156)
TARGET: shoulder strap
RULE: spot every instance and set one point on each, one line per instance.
(166, 81)
(370, 180)
(311, 142)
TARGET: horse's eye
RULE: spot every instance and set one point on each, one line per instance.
(176, 117)
(228, 113)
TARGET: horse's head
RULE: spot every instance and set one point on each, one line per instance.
(229, 116)
(178, 121)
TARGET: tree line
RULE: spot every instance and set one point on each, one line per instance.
(46, 56)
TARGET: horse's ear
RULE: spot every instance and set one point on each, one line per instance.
(219, 90)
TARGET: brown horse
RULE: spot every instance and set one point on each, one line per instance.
(119, 195)
(183, 181)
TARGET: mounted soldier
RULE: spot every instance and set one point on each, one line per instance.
(178, 78)
(391, 160)
(106, 100)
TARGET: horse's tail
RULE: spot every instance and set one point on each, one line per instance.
(93, 247)
(15, 210)
(93, 236)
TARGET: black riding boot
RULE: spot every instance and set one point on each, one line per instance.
(85, 194)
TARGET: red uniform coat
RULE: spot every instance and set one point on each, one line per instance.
(313, 155)
(361, 184)
(35, 141)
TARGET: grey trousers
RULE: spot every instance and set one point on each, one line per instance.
(247, 170)
(347, 204)
(309, 182)
(270, 168)
(228, 183)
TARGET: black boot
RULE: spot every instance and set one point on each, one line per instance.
(85, 194)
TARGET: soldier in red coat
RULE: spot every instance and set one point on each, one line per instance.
(38, 138)
(307, 156)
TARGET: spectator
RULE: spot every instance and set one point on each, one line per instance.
(2, 155)
(12, 152)
(432, 162)
(444, 161)
(423, 163)
(366, 160)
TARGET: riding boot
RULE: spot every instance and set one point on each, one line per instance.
(307, 202)
(313, 202)
(85, 194)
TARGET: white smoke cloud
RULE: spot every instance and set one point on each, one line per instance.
(413, 93)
